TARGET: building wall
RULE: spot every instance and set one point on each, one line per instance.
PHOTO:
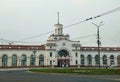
(102, 53)
(19, 53)
(54, 58)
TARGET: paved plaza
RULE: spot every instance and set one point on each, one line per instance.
(25, 76)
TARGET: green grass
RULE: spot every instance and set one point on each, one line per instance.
(80, 71)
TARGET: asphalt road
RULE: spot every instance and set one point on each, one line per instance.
(25, 76)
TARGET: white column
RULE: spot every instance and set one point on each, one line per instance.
(36, 61)
(28, 61)
(101, 62)
(93, 61)
(53, 61)
(86, 61)
(108, 61)
(9, 61)
(46, 60)
(0, 61)
(71, 60)
(115, 61)
(56, 61)
(19, 61)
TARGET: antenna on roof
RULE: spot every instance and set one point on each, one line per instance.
(58, 17)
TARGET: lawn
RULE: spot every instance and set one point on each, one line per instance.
(80, 71)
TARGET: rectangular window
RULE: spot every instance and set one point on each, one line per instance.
(50, 62)
(75, 48)
(76, 54)
(76, 62)
(50, 54)
(50, 47)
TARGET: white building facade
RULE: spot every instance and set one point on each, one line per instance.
(59, 51)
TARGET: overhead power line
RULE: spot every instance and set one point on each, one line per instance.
(37, 36)
(85, 36)
(12, 42)
(88, 19)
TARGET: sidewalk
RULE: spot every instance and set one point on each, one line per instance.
(11, 69)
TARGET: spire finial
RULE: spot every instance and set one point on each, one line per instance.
(58, 17)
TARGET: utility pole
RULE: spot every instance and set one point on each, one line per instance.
(34, 54)
(98, 40)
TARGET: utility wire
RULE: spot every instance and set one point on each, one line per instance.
(85, 36)
(11, 41)
(88, 19)
(37, 36)
(97, 16)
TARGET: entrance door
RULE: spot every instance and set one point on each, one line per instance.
(63, 58)
(63, 63)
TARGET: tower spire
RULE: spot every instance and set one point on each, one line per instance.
(58, 27)
(58, 17)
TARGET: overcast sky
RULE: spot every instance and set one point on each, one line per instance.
(22, 19)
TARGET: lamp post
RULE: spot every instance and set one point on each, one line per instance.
(34, 54)
(98, 40)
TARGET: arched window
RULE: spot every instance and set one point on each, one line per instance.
(63, 53)
(32, 60)
(41, 60)
(89, 58)
(14, 60)
(112, 60)
(82, 59)
(23, 60)
(104, 60)
(96, 59)
(4, 60)
(118, 59)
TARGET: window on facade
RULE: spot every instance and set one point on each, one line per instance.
(76, 62)
(50, 54)
(23, 60)
(32, 60)
(14, 60)
(63, 53)
(118, 59)
(41, 60)
(76, 54)
(82, 59)
(50, 62)
(50, 47)
(104, 59)
(97, 59)
(112, 60)
(4, 60)
(55, 38)
(58, 31)
(89, 58)
(75, 48)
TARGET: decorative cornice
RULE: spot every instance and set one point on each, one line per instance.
(42, 47)
(51, 44)
(101, 48)
(22, 47)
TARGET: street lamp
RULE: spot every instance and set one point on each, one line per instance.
(34, 54)
(34, 51)
(98, 39)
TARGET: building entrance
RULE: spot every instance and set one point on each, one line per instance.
(63, 58)
(63, 63)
